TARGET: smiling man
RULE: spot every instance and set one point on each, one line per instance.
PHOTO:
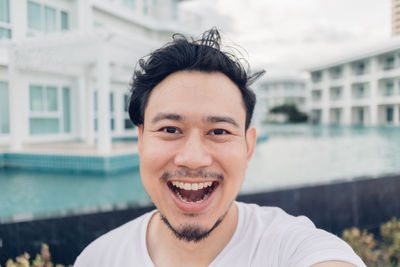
(193, 106)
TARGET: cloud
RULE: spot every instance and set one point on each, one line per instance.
(296, 32)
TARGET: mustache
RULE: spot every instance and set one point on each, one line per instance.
(185, 173)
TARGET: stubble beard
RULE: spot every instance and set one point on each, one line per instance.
(192, 232)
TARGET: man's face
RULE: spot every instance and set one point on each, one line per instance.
(194, 149)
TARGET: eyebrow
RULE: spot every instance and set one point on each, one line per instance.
(222, 119)
(177, 117)
(167, 116)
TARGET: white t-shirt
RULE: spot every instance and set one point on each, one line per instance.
(265, 236)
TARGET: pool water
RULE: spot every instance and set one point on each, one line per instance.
(298, 155)
(44, 194)
(293, 155)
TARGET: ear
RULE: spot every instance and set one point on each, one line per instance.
(140, 136)
(251, 140)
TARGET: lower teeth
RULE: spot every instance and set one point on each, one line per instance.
(192, 202)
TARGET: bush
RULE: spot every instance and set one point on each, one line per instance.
(385, 252)
(291, 111)
(42, 260)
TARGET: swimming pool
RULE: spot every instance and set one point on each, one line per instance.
(294, 155)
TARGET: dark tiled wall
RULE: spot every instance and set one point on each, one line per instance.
(363, 203)
(66, 236)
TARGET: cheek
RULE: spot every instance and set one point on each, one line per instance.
(233, 158)
(155, 154)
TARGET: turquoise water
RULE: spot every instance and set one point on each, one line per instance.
(45, 194)
(307, 155)
(292, 156)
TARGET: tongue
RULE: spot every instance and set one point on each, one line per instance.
(192, 195)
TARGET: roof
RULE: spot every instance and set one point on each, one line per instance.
(382, 47)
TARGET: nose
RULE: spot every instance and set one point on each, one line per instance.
(194, 153)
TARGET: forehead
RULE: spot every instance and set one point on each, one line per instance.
(196, 93)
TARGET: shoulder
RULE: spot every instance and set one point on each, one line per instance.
(113, 248)
(271, 218)
(292, 240)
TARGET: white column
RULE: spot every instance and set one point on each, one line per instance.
(85, 15)
(89, 111)
(103, 87)
(15, 92)
(82, 121)
(18, 11)
(374, 87)
(119, 111)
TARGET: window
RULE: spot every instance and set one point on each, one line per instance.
(96, 108)
(44, 18)
(34, 16)
(335, 93)
(360, 90)
(388, 63)
(4, 10)
(145, 7)
(49, 115)
(66, 109)
(389, 88)
(5, 27)
(316, 95)
(175, 9)
(336, 115)
(361, 116)
(288, 86)
(316, 76)
(389, 114)
(4, 109)
(64, 21)
(336, 72)
(129, 3)
(50, 19)
(316, 116)
(359, 67)
(127, 122)
(112, 120)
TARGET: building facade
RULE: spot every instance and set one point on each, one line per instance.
(278, 89)
(66, 65)
(361, 89)
(395, 17)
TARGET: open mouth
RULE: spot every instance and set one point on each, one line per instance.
(192, 193)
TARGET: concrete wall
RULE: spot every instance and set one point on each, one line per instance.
(364, 203)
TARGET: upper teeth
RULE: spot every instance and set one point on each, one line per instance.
(190, 186)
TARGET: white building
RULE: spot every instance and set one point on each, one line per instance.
(362, 88)
(395, 17)
(65, 66)
(279, 89)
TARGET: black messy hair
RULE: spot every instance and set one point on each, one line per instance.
(182, 54)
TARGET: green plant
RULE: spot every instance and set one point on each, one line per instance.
(294, 115)
(390, 233)
(41, 260)
(363, 244)
(383, 252)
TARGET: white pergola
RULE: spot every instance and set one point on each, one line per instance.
(80, 55)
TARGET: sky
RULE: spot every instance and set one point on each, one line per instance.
(296, 34)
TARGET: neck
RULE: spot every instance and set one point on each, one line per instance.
(165, 249)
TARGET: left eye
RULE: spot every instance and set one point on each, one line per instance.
(218, 132)
(170, 130)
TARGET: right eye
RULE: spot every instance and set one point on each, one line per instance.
(170, 130)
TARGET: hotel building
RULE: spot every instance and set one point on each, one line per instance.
(361, 89)
(395, 17)
(65, 66)
(279, 89)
